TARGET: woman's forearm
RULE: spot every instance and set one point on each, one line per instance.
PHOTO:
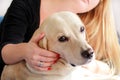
(13, 53)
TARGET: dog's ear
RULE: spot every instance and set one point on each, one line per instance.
(43, 43)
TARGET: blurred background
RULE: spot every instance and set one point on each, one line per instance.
(4, 4)
(116, 13)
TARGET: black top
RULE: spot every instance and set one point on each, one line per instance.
(19, 23)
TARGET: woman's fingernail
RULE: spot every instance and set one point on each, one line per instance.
(49, 68)
(58, 56)
(54, 61)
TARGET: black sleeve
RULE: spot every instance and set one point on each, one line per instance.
(19, 23)
(14, 25)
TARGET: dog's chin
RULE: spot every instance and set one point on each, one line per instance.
(79, 64)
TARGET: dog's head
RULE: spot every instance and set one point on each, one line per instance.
(65, 35)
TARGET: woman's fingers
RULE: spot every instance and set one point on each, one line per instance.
(44, 64)
(41, 59)
(42, 68)
(48, 53)
(41, 65)
(37, 38)
(47, 59)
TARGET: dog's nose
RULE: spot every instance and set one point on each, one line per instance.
(88, 54)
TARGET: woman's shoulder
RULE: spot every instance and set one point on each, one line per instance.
(27, 6)
(28, 2)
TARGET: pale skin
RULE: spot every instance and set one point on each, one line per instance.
(49, 7)
(31, 52)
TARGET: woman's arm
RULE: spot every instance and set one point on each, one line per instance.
(13, 26)
(30, 52)
(16, 30)
(13, 53)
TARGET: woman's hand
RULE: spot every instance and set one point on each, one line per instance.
(38, 58)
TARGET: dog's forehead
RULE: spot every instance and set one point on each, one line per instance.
(69, 18)
(62, 22)
(64, 19)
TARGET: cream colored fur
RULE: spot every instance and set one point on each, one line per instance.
(59, 24)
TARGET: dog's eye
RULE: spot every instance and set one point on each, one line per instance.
(63, 39)
(82, 29)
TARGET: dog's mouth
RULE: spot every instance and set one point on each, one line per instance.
(73, 65)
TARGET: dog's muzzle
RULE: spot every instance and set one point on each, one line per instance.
(87, 54)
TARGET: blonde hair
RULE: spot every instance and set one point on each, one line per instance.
(101, 34)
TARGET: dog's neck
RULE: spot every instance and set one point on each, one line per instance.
(61, 67)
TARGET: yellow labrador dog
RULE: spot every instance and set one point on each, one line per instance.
(64, 34)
